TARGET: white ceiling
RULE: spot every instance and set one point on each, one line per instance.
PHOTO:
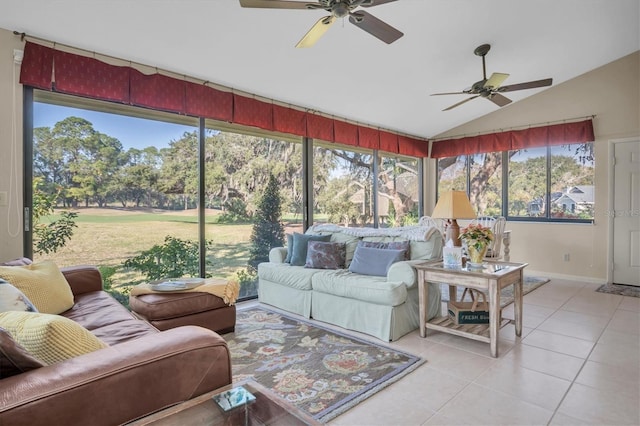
(349, 73)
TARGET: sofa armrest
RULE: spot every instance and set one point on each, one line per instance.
(404, 271)
(277, 254)
(119, 383)
(83, 279)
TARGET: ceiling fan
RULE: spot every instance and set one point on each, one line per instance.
(491, 89)
(337, 9)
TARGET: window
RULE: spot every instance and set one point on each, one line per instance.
(398, 191)
(527, 182)
(131, 179)
(548, 183)
(343, 186)
(237, 170)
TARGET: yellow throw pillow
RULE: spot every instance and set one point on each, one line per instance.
(43, 284)
(49, 338)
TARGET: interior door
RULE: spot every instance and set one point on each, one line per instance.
(626, 214)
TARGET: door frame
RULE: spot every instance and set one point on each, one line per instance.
(610, 201)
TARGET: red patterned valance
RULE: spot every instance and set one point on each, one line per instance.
(37, 66)
(289, 120)
(205, 101)
(89, 77)
(555, 134)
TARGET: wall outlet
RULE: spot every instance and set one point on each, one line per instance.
(566, 257)
(3, 198)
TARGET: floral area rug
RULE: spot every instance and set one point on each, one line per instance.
(620, 289)
(506, 296)
(321, 371)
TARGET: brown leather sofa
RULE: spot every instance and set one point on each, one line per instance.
(142, 371)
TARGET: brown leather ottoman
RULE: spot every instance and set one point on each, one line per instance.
(171, 310)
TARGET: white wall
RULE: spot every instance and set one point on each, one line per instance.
(612, 94)
(10, 121)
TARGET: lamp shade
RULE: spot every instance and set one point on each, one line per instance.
(453, 205)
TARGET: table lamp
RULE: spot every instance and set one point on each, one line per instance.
(453, 205)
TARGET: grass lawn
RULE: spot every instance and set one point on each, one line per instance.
(108, 237)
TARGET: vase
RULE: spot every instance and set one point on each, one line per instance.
(476, 256)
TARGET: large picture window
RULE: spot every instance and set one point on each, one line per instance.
(146, 195)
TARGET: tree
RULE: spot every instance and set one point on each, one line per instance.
(49, 237)
(268, 231)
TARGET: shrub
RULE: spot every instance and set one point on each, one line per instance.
(175, 258)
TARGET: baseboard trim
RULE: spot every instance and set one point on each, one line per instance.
(552, 275)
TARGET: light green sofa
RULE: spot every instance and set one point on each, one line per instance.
(384, 307)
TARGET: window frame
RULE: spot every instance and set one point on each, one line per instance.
(505, 189)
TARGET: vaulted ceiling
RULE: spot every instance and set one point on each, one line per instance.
(349, 73)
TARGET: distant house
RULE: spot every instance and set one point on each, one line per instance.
(576, 199)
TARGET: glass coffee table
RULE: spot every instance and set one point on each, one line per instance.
(263, 408)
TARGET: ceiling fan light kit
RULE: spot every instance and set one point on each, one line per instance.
(492, 88)
(337, 9)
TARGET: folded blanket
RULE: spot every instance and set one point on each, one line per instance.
(227, 290)
(412, 232)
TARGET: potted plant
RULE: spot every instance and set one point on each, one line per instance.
(477, 239)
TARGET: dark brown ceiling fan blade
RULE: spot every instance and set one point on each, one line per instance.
(375, 26)
(371, 3)
(460, 103)
(449, 93)
(276, 4)
(527, 85)
(499, 100)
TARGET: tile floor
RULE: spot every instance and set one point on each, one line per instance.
(577, 363)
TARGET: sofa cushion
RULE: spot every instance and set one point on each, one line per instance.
(49, 338)
(361, 287)
(107, 319)
(393, 245)
(325, 255)
(43, 284)
(14, 359)
(350, 242)
(299, 247)
(12, 299)
(297, 277)
(374, 261)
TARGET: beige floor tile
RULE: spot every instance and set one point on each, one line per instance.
(392, 406)
(482, 406)
(612, 337)
(601, 305)
(580, 318)
(625, 355)
(630, 304)
(429, 387)
(545, 361)
(625, 322)
(537, 299)
(600, 407)
(456, 362)
(611, 378)
(559, 343)
(527, 385)
(560, 419)
(578, 330)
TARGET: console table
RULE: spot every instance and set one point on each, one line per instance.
(490, 279)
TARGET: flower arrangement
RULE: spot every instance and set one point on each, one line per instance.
(477, 236)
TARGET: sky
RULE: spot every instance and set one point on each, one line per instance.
(131, 132)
